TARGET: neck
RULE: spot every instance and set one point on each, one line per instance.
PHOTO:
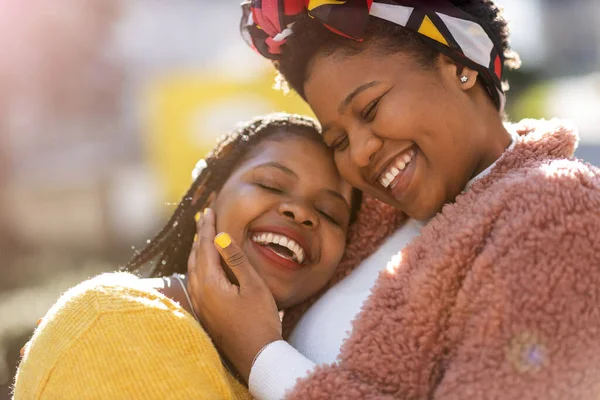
(497, 141)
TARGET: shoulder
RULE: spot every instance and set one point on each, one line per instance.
(563, 186)
(108, 326)
(105, 329)
(110, 292)
(529, 184)
(121, 298)
(538, 212)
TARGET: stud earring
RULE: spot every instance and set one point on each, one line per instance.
(464, 79)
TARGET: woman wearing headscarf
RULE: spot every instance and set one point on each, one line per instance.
(497, 295)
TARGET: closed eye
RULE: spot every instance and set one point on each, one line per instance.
(330, 218)
(370, 110)
(269, 188)
(341, 143)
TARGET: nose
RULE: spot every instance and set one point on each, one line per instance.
(299, 212)
(363, 146)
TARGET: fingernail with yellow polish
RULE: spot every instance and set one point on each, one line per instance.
(223, 240)
(206, 211)
(197, 217)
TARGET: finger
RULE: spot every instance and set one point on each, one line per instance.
(238, 262)
(206, 235)
(208, 261)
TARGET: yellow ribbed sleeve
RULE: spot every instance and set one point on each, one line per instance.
(111, 338)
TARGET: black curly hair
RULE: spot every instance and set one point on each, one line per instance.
(169, 250)
(311, 38)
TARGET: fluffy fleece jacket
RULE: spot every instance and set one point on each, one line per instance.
(499, 297)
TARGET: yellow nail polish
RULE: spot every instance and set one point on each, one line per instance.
(223, 240)
(197, 217)
(205, 211)
(195, 237)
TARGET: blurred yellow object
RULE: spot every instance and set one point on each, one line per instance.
(185, 114)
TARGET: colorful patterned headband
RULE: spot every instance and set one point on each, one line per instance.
(267, 23)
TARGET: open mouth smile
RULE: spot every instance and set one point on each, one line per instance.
(281, 245)
(397, 168)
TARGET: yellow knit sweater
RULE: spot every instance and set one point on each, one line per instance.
(112, 338)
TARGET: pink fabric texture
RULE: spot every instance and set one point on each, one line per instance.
(498, 298)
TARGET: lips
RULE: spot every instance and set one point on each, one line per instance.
(278, 252)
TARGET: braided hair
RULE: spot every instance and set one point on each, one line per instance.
(170, 248)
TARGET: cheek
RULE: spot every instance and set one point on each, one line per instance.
(235, 208)
(333, 250)
(346, 168)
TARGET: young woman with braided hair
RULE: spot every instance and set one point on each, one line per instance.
(274, 188)
(497, 296)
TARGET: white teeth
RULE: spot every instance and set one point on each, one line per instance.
(266, 238)
(292, 246)
(391, 174)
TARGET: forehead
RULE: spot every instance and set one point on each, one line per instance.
(332, 77)
(289, 149)
(310, 160)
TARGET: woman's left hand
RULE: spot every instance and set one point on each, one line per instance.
(242, 319)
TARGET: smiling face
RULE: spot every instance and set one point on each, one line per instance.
(288, 209)
(409, 136)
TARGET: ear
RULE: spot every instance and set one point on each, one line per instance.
(461, 76)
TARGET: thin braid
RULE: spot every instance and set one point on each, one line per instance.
(165, 233)
(171, 246)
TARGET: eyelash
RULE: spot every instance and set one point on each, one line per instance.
(269, 188)
(330, 218)
(337, 146)
(367, 115)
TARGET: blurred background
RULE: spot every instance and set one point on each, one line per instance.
(106, 105)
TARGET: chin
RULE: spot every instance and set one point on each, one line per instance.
(282, 304)
(280, 296)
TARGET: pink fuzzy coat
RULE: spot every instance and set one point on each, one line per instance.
(499, 297)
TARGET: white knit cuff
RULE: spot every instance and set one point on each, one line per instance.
(276, 370)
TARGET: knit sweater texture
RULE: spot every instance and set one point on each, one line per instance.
(499, 296)
(112, 338)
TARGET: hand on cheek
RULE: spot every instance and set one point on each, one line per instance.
(242, 319)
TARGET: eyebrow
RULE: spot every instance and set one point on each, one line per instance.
(278, 166)
(346, 102)
(288, 171)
